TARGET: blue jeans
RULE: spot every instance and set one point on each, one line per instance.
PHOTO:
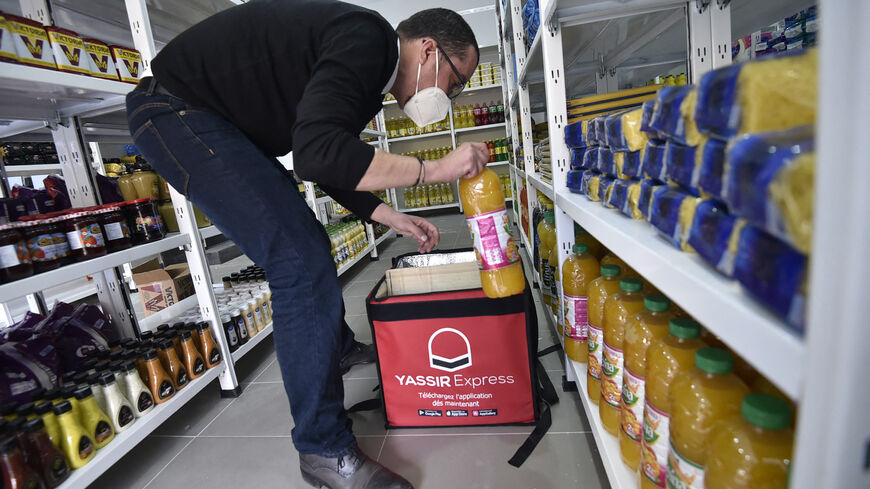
(257, 204)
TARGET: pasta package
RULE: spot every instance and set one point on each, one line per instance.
(614, 134)
(577, 155)
(710, 159)
(680, 164)
(605, 161)
(574, 137)
(769, 181)
(627, 164)
(590, 158)
(667, 118)
(633, 203)
(687, 112)
(648, 108)
(592, 185)
(618, 198)
(774, 273)
(644, 199)
(672, 212)
(771, 94)
(574, 179)
(635, 138)
(654, 160)
(605, 189)
(715, 236)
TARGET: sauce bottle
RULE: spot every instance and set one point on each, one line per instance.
(75, 444)
(230, 333)
(68, 393)
(642, 330)
(15, 428)
(159, 382)
(172, 364)
(700, 398)
(93, 419)
(665, 358)
(43, 455)
(618, 309)
(211, 354)
(241, 327)
(501, 272)
(250, 322)
(556, 285)
(193, 360)
(49, 420)
(260, 297)
(16, 473)
(578, 272)
(258, 314)
(118, 408)
(753, 450)
(599, 290)
(546, 235)
(25, 411)
(137, 394)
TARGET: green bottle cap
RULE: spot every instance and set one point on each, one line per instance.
(766, 411)
(656, 303)
(630, 285)
(714, 361)
(580, 248)
(550, 216)
(685, 328)
(610, 270)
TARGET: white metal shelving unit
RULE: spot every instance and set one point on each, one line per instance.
(252, 342)
(598, 46)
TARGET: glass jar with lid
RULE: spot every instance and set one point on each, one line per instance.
(40, 245)
(85, 236)
(143, 220)
(14, 259)
(115, 230)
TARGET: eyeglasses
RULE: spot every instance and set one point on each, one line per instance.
(456, 89)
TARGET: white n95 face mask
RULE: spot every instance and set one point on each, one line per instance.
(429, 105)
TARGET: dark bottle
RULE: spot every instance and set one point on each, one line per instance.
(43, 455)
(16, 473)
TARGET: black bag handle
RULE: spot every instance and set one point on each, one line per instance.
(549, 349)
(545, 420)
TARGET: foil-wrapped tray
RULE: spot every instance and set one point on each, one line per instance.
(434, 259)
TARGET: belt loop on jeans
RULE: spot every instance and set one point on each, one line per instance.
(152, 85)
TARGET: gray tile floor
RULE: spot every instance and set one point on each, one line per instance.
(245, 442)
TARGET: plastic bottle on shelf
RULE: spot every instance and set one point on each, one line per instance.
(211, 354)
(478, 120)
(556, 287)
(159, 382)
(172, 364)
(75, 444)
(599, 290)
(135, 391)
(665, 359)
(96, 423)
(501, 272)
(753, 450)
(618, 309)
(583, 236)
(642, 330)
(578, 272)
(484, 114)
(52, 429)
(14, 470)
(546, 232)
(610, 259)
(118, 408)
(700, 398)
(43, 456)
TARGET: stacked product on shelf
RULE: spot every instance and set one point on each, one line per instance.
(29, 154)
(498, 150)
(430, 153)
(72, 384)
(28, 42)
(543, 163)
(420, 196)
(244, 306)
(348, 240)
(399, 127)
(465, 116)
(587, 108)
(531, 20)
(669, 80)
(506, 186)
(795, 32)
(485, 74)
(724, 169)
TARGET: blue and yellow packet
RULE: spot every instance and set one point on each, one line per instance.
(715, 235)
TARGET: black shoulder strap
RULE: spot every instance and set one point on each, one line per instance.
(545, 420)
(550, 349)
(367, 405)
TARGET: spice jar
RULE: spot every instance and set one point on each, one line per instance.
(14, 258)
(144, 221)
(85, 236)
(40, 246)
(115, 230)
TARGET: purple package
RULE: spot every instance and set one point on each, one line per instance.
(53, 323)
(11, 209)
(76, 342)
(56, 187)
(108, 189)
(91, 316)
(39, 202)
(27, 367)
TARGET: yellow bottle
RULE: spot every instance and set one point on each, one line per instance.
(617, 310)
(642, 330)
(582, 236)
(52, 428)
(754, 450)
(599, 290)
(75, 444)
(578, 272)
(556, 287)
(97, 425)
(501, 272)
(700, 398)
(547, 235)
(665, 358)
(611, 259)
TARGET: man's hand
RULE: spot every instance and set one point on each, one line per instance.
(423, 231)
(466, 161)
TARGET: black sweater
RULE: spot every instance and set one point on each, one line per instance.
(300, 75)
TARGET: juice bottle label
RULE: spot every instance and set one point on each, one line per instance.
(493, 245)
(596, 338)
(654, 445)
(683, 473)
(611, 367)
(632, 404)
(576, 317)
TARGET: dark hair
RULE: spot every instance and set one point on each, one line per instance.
(446, 27)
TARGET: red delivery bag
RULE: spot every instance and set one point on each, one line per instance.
(459, 358)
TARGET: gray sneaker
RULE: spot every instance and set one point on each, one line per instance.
(352, 471)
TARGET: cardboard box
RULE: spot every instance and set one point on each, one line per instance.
(426, 280)
(159, 287)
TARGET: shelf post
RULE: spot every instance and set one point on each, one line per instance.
(708, 26)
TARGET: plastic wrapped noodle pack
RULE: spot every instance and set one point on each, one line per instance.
(618, 197)
(710, 158)
(574, 137)
(577, 155)
(633, 203)
(774, 273)
(667, 119)
(586, 183)
(769, 181)
(770, 94)
(628, 164)
(605, 188)
(647, 189)
(715, 235)
(672, 212)
(574, 180)
(605, 161)
(648, 109)
(654, 160)
(592, 187)
(590, 158)
(680, 164)
(600, 130)
(687, 112)
(635, 138)
(614, 134)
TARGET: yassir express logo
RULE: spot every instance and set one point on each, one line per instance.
(449, 350)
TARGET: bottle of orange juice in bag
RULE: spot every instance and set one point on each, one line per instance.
(753, 450)
(665, 358)
(599, 290)
(700, 398)
(643, 329)
(578, 272)
(501, 272)
(618, 309)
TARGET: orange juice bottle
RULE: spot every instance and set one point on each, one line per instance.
(700, 398)
(599, 290)
(642, 330)
(498, 258)
(578, 272)
(581, 236)
(547, 235)
(618, 308)
(665, 358)
(754, 450)
(610, 259)
(556, 287)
